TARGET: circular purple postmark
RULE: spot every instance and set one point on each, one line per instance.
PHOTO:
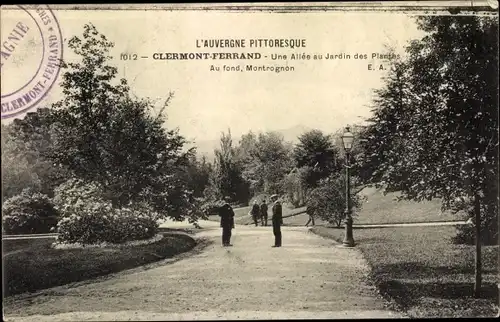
(31, 49)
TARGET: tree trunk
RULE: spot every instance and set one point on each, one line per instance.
(478, 268)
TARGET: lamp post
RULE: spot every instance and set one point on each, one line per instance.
(347, 139)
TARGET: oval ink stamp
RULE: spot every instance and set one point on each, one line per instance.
(30, 53)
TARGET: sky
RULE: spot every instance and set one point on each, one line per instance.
(323, 94)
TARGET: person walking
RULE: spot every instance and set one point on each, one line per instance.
(263, 213)
(255, 213)
(226, 214)
(310, 212)
(277, 220)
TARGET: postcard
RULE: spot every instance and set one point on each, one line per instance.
(242, 161)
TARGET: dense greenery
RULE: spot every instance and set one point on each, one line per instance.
(328, 200)
(433, 134)
(434, 130)
(29, 212)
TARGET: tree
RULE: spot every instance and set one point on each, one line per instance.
(266, 160)
(327, 201)
(17, 173)
(226, 179)
(198, 174)
(25, 146)
(295, 186)
(316, 151)
(434, 133)
(244, 155)
(105, 135)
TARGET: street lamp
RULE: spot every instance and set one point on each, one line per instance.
(347, 139)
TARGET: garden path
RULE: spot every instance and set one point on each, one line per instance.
(309, 277)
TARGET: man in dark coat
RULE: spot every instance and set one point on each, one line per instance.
(255, 212)
(263, 213)
(277, 222)
(226, 214)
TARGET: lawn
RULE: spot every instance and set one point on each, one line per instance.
(381, 209)
(31, 264)
(422, 273)
(385, 209)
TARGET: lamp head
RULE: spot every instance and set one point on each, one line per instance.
(347, 139)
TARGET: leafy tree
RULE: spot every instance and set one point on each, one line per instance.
(434, 133)
(295, 186)
(198, 174)
(266, 160)
(327, 201)
(244, 153)
(105, 135)
(25, 164)
(226, 180)
(316, 151)
(17, 173)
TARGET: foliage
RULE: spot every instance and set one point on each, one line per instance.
(88, 218)
(357, 152)
(226, 180)
(327, 201)
(316, 151)
(295, 186)
(197, 175)
(99, 222)
(28, 212)
(105, 135)
(212, 207)
(466, 234)
(434, 133)
(266, 160)
(25, 143)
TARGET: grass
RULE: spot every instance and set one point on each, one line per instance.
(31, 264)
(422, 273)
(385, 209)
(381, 209)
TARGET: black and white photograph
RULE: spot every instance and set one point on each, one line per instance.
(250, 161)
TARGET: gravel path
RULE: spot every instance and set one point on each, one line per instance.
(309, 277)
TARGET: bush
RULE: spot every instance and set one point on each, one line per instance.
(28, 213)
(99, 222)
(466, 234)
(328, 201)
(87, 218)
(74, 190)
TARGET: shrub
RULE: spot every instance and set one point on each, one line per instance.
(466, 234)
(99, 222)
(212, 207)
(28, 213)
(88, 218)
(328, 201)
(74, 190)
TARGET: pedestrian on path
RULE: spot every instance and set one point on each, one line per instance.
(255, 213)
(263, 213)
(277, 220)
(310, 212)
(226, 214)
